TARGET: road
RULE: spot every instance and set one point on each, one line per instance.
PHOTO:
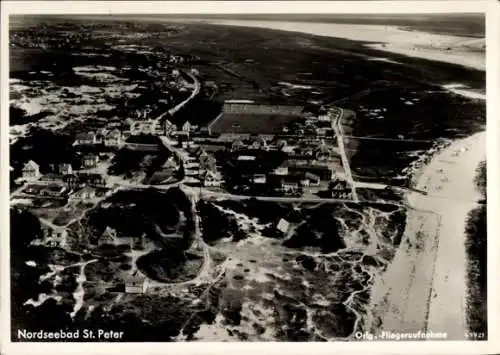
(176, 108)
(339, 133)
(196, 90)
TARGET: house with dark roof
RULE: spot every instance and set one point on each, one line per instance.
(89, 138)
(134, 283)
(339, 188)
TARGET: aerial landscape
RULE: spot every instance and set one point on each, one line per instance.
(247, 177)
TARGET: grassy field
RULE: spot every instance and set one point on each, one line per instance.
(247, 124)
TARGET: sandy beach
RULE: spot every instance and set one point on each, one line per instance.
(425, 286)
(465, 51)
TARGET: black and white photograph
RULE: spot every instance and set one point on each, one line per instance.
(247, 177)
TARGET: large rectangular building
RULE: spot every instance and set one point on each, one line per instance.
(253, 118)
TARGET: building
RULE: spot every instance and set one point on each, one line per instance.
(50, 177)
(207, 162)
(237, 144)
(281, 171)
(65, 169)
(211, 179)
(134, 284)
(85, 193)
(113, 138)
(325, 172)
(339, 188)
(72, 181)
(186, 127)
(258, 143)
(89, 138)
(169, 128)
(283, 226)
(323, 153)
(259, 179)
(96, 180)
(108, 237)
(314, 180)
(31, 170)
(90, 161)
(246, 158)
(290, 183)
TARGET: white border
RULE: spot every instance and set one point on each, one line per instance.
(226, 7)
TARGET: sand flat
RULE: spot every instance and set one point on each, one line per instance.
(459, 50)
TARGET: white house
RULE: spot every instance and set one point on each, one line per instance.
(211, 179)
(113, 138)
(134, 284)
(283, 226)
(169, 128)
(31, 170)
(281, 170)
(259, 179)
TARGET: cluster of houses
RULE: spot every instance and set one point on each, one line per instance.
(82, 184)
(309, 161)
(312, 126)
(112, 138)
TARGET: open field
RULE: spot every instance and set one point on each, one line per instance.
(248, 124)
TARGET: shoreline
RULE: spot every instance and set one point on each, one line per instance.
(458, 50)
(441, 282)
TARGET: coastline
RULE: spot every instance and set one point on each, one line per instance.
(425, 286)
(459, 50)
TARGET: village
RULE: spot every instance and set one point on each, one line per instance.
(249, 149)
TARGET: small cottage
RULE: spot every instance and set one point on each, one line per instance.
(31, 170)
(85, 138)
(281, 171)
(169, 128)
(134, 284)
(108, 237)
(211, 179)
(259, 179)
(283, 226)
(236, 145)
(113, 138)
